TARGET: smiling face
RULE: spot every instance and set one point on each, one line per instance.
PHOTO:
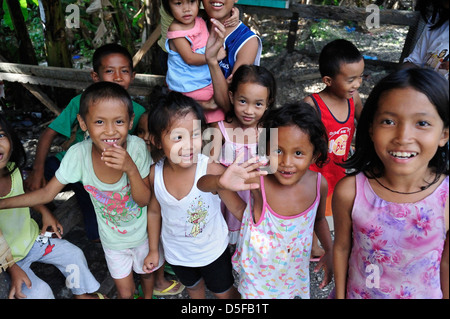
(182, 141)
(5, 150)
(406, 132)
(108, 123)
(218, 9)
(115, 68)
(250, 101)
(184, 11)
(347, 81)
(291, 155)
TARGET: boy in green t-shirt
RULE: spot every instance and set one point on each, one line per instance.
(113, 166)
(111, 63)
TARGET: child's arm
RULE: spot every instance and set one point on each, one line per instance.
(226, 182)
(49, 221)
(118, 158)
(153, 228)
(36, 177)
(215, 42)
(342, 204)
(183, 47)
(41, 196)
(18, 278)
(358, 105)
(322, 230)
(445, 258)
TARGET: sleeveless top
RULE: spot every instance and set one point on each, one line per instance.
(193, 232)
(272, 256)
(340, 136)
(183, 77)
(230, 149)
(233, 43)
(397, 247)
(19, 229)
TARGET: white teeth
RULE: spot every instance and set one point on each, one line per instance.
(109, 141)
(403, 154)
(217, 4)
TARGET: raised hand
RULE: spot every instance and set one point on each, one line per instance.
(237, 176)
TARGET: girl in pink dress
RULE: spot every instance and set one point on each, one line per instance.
(273, 250)
(252, 92)
(391, 213)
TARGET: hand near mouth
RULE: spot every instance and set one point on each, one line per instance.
(118, 158)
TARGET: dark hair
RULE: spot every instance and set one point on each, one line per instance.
(426, 81)
(254, 74)
(166, 6)
(305, 117)
(104, 91)
(170, 107)
(18, 156)
(336, 53)
(433, 11)
(107, 49)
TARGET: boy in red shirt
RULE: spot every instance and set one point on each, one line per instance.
(341, 66)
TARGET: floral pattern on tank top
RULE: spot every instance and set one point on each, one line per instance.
(272, 256)
(397, 247)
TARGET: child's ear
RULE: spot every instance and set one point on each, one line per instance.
(444, 137)
(83, 125)
(230, 96)
(155, 142)
(327, 80)
(131, 122)
(95, 77)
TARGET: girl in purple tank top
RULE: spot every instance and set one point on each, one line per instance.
(391, 214)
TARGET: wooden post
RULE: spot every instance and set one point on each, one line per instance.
(292, 36)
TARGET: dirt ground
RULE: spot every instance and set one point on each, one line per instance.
(289, 69)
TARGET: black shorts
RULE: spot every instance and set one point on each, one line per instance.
(218, 275)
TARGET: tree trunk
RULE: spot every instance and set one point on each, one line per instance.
(27, 54)
(55, 35)
(122, 24)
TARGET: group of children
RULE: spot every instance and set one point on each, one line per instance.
(264, 185)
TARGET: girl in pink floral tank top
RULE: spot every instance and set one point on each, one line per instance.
(397, 247)
(273, 250)
(391, 214)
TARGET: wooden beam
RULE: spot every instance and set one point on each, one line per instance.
(393, 17)
(69, 78)
(147, 45)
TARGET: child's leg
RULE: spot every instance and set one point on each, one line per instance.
(219, 277)
(70, 260)
(192, 279)
(125, 287)
(197, 291)
(231, 293)
(39, 288)
(147, 283)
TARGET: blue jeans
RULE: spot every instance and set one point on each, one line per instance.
(84, 200)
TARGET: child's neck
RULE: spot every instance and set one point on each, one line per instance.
(173, 174)
(104, 173)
